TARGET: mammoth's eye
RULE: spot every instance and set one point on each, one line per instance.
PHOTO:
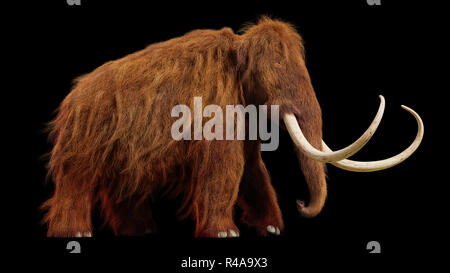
(278, 63)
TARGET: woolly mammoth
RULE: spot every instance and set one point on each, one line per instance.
(113, 146)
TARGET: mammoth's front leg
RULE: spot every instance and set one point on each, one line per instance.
(131, 217)
(257, 197)
(218, 171)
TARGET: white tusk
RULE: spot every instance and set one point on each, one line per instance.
(371, 166)
(329, 156)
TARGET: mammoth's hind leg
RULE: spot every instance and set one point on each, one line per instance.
(69, 211)
(218, 173)
(131, 217)
(257, 197)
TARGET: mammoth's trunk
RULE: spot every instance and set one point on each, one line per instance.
(314, 171)
(305, 113)
(303, 121)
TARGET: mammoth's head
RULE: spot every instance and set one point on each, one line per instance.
(271, 68)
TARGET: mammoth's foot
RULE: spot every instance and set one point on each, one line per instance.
(273, 230)
(68, 232)
(83, 234)
(230, 233)
(265, 224)
(221, 229)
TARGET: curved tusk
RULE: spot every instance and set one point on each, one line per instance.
(329, 156)
(371, 166)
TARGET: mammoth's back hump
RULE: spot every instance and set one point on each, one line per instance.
(126, 103)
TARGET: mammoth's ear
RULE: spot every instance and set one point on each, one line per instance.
(242, 59)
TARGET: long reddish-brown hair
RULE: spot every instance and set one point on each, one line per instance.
(112, 138)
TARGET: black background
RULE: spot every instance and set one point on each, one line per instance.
(354, 52)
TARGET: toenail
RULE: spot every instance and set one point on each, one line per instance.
(233, 233)
(271, 229)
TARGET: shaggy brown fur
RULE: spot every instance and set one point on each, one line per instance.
(113, 145)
